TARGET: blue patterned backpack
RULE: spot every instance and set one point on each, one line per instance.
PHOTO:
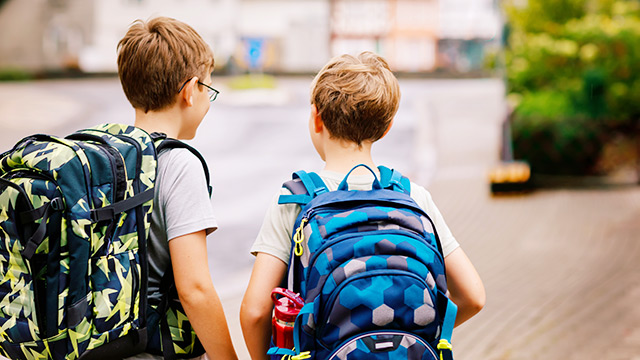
(74, 221)
(370, 268)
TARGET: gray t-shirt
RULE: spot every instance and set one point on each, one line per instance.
(181, 206)
(275, 234)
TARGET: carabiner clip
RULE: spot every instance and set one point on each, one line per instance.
(298, 238)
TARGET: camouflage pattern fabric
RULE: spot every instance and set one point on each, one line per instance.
(74, 219)
(183, 339)
(370, 268)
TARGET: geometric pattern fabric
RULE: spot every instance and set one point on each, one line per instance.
(366, 262)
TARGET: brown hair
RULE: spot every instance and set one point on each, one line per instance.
(156, 57)
(356, 97)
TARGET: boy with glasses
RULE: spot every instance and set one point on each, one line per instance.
(165, 70)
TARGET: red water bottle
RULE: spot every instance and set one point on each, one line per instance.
(285, 311)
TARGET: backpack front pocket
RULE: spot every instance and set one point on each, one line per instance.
(115, 287)
(377, 299)
(385, 345)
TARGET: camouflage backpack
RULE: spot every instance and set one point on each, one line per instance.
(74, 221)
(370, 268)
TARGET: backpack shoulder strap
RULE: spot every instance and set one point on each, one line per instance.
(163, 142)
(392, 179)
(304, 187)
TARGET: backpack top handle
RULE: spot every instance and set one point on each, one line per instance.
(344, 185)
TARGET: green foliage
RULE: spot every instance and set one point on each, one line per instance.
(14, 74)
(543, 15)
(252, 81)
(546, 105)
(574, 63)
(553, 136)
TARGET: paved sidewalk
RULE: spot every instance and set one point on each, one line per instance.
(560, 266)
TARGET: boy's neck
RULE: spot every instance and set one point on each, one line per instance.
(342, 156)
(164, 121)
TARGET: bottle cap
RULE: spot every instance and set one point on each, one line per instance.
(288, 306)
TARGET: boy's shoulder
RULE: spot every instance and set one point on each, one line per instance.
(184, 164)
(333, 179)
(176, 159)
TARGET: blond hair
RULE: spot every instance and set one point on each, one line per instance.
(156, 57)
(356, 97)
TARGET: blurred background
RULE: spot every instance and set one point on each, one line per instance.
(521, 117)
(281, 36)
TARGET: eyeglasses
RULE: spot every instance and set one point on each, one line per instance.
(213, 93)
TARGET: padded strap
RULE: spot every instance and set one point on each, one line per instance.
(444, 346)
(304, 187)
(393, 180)
(169, 143)
(312, 182)
(110, 211)
(168, 352)
(166, 285)
(298, 191)
(297, 327)
(449, 320)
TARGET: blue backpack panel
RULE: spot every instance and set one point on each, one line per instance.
(370, 268)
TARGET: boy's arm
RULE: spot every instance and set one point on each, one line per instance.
(198, 296)
(464, 284)
(255, 312)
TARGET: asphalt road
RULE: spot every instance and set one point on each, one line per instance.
(560, 266)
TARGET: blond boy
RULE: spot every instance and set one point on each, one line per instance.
(353, 102)
(165, 70)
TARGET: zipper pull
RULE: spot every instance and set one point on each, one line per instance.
(298, 238)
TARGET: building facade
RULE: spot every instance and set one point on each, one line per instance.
(286, 36)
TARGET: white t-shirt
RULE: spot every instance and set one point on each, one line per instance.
(275, 234)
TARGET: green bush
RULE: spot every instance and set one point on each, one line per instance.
(553, 138)
(576, 66)
(14, 74)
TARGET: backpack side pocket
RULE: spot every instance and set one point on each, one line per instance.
(31, 242)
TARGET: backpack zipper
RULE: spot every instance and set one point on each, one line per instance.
(118, 168)
(346, 237)
(333, 205)
(315, 209)
(142, 239)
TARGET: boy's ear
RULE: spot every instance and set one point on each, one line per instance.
(187, 92)
(318, 125)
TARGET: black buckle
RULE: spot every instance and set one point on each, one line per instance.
(57, 204)
(155, 136)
